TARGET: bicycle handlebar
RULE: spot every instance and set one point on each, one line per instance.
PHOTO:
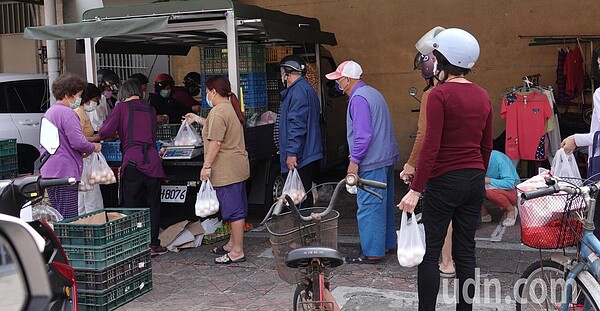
(45, 183)
(554, 187)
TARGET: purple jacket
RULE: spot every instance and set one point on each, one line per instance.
(142, 136)
(68, 159)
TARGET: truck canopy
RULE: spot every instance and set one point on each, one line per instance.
(173, 27)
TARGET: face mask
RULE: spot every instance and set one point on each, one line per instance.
(194, 90)
(107, 94)
(208, 101)
(284, 79)
(165, 93)
(91, 107)
(76, 104)
(339, 84)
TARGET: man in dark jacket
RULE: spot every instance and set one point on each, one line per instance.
(300, 144)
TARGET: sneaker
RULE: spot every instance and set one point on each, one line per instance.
(156, 250)
(486, 218)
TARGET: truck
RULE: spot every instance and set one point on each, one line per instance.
(172, 28)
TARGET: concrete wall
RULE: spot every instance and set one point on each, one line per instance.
(17, 54)
(380, 35)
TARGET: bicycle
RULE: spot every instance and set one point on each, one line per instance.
(575, 280)
(304, 245)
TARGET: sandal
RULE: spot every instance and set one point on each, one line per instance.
(225, 260)
(362, 259)
(219, 250)
(487, 218)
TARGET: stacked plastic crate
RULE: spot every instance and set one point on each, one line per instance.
(9, 167)
(253, 77)
(109, 251)
(274, 54)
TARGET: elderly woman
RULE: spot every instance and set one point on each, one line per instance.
(68, 159)
(226, 162)
(135, 121)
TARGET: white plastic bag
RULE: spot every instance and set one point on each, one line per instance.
(84, 184)
(206, 202)
(564, 165)
(411, 242)
(187, 136)
(293, 187)
(99, 172)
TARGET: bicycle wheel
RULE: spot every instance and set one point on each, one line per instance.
(303, 294)
(542, 287)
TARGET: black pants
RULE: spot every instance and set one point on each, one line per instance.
(140, 190)
(456, 196)
(306, 174)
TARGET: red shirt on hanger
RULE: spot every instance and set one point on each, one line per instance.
(573, 71)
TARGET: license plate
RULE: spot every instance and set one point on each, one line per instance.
(173, 194)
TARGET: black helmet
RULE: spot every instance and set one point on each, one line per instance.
(292, 63)
(108, 78)
(140, 77)
(191, 79)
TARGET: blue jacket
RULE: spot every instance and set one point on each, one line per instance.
(299, 130)
(501, 171)
(383, 147)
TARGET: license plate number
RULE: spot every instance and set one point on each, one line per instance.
(173, 194)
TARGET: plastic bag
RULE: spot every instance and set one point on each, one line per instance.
(84, 184)
(411, 242)
(268, 118)
(187, 136)
(564, 165)
(47, 213)
(206, 201)
(99, 171)
(293, 187)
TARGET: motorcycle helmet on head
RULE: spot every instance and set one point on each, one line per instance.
(459, 47)
(191, 82)
(292, 63)
(163, 80)
(426, 63)
(140, 77)
(108, 78)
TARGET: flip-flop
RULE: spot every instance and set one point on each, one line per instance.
(362, 259)
(447, 275)
(219, 250)
(225, 260)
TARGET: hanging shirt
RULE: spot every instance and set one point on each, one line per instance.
(574, 72)
(526, 117)
(561, 80)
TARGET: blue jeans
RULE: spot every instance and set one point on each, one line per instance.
(456, 196)
(376, 223)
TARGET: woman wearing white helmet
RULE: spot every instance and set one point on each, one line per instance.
(452, 163)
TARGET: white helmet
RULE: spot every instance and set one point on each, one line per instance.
(425, 44)
(459, 47)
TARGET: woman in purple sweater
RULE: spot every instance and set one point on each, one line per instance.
(68, 159)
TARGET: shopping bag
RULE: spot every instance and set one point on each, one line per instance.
(594, 161)
(99, 171)
(187, 136)
(84, 183)
(206, 201)
(564, 165)
(411, 242)
(293, 187)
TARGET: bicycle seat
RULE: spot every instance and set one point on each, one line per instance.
(301, 257)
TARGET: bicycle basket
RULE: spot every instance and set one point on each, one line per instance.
(551, 222)
(288, 233)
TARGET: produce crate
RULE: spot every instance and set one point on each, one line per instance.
(101, 257)
(254, 99)
(9, 168)
(254, 88)
(8, 146)
(99, 280)
(112, 151)
(251, 58)
(273, 54)
(73, 234)
(212, 52)
(167, 131)
(116, 296)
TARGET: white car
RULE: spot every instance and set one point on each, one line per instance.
(23, 100)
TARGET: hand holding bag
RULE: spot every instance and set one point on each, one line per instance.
(411, 242)
(187, 136)
(293, 187)
(564, 165)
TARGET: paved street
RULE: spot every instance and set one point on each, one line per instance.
(189, 280)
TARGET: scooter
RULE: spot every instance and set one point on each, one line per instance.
(22, 192)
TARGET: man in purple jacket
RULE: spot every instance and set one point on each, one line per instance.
(373, 152)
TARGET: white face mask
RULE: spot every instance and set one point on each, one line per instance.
(208, 101)
(91, 107)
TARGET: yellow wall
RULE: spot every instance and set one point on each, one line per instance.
(380, 35)
(17, 55)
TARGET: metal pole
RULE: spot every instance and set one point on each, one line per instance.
(51, 46)
(232, 52)
(90, 60)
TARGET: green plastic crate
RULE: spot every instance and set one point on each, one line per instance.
(116, 296)
(8, 146)
(69, 233)
(99, 280)
(101, 257)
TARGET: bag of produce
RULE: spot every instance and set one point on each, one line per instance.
(206, 202)
(99, 171)
(187, 136)
(411, 242)
(293, 187)
(84, 184)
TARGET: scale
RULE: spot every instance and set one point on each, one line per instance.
(182, 152)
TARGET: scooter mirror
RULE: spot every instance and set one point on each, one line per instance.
(412, 91)
(49, 136)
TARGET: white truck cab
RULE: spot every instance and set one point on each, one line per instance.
(23, 100)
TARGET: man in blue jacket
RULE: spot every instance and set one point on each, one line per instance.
(373, 152)
(300, 144)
